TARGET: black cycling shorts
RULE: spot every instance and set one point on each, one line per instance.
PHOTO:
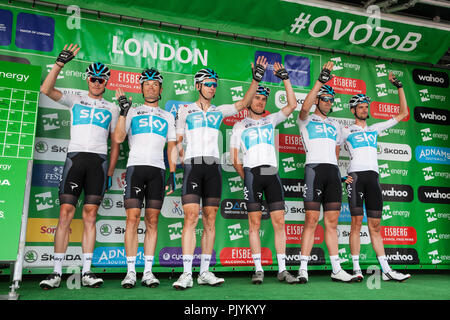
(144, 182)
(259, 181)
(365, 189)
(83, 171)
(322, 185)
(202, 179)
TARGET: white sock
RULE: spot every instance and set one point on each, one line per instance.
(257, 259)
(148, 263)
(355, 260)
(384, 264)
(281, 258)
(187, 263)
(204, 262)
(304, 262)
(87, 260)
(335, 264)
(59, 258)
(131, 264)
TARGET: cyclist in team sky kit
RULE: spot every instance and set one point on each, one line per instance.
(363, 185)
(86, 167)
(321, 139)
(198, 125)
(148, 128)
(259, 170)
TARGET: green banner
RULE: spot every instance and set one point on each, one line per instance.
(413, 156)
(19, 95)
(365, 32)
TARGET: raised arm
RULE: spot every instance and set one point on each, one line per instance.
(281, 72)
(324, 77)
(258, 73)
(48, 86)
(120, 132)
(401, 94)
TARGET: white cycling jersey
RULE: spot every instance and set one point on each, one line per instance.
(257, 139)
(148, 129)
(200, 129)
(320, 138)
(91, 122)
(362, 144)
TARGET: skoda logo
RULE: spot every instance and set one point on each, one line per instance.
(41, 147)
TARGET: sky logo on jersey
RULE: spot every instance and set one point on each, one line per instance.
(321, 131)
(433, 155)
(363, 139)
(254, 136)
(94, 116)
(198, 120)
(149, 124)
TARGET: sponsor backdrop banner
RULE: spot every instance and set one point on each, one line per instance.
(414, 156)
(19, 95)
(297, 21)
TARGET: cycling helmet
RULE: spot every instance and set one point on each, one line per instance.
(357, 99)
(326, 89)
(204, 74)
(151, 74)
(265, 91)
(98, 70)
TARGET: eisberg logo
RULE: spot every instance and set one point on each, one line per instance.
(431, 78)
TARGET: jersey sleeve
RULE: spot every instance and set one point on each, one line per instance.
(114, 118)
(384, 125)
(171, 134)
(227, 110)
(67, 100)
(180, 120)
(235, 141)
(344, 135)
(277, 118)
(301, 123)
(128, 120)
(338, 133)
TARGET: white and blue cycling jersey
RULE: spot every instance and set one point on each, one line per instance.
(91, 122)
(200, 129)
(362, 145)
(320, 138)
(148, 129)
(256, 139)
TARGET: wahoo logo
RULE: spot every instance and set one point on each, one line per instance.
(381, 90)
(363, 139)
(434, 257)
(431, 78)
(428, 173)
(426, 134)
(235, 232)
(432, 115)
(434, 194)
(424, 95)
(321, 131)
(432, 236)
(431, 215)
(175, 230)
(381, 70)
(235, 184)
(199, 120)
(180, 87)
(237, 93)
(87, 115)
(149, 124)
(258, 135)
